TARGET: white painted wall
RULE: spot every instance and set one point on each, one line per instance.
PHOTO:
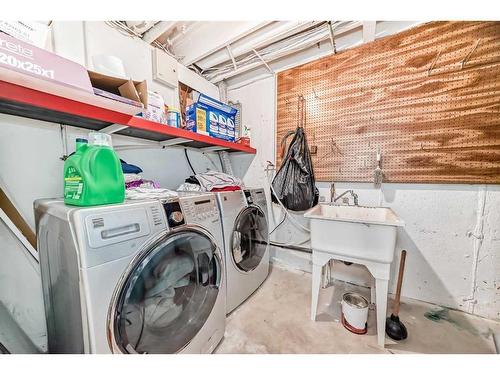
(31, 168)
(22, 298)
(447, 264)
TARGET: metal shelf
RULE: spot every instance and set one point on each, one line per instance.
(27, 102)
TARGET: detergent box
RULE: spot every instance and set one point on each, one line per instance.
(211, 117)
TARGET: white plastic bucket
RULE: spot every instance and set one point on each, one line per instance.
(354, 312)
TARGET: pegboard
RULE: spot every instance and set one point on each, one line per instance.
(428, 97)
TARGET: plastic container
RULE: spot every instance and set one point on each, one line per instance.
(93, 174)
(173, 118)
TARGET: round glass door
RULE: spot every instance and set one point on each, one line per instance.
(168, 294)
(250, 238)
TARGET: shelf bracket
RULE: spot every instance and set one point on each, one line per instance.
(213, 148)
(175, 141)
(113, 128)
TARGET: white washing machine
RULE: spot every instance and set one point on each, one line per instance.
(138, 277)
(246, 242)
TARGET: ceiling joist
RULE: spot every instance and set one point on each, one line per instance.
(157, 30)
(207, 39)
(369, 28)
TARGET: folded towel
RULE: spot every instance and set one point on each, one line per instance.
(217, 180)
(148, 193)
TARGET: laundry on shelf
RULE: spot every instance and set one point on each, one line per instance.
(136, 181)
(213, 181)
(149, 193)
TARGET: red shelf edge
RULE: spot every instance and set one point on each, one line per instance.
(13, 92)
(140, 123)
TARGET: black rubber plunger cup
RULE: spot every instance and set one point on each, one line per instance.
(394, 328)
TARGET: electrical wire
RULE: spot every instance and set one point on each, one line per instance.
(127, 31)
(189, 162)
(291, 243)
(282, 45)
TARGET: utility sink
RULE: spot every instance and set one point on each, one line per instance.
(367, 233)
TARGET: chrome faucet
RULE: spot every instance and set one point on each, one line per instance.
(353, 194)
(332, 192)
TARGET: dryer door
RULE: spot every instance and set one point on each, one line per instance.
(249, 239)
(166, 294)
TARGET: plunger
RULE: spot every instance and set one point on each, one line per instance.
(394, 328)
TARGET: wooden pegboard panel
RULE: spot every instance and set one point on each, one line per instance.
(429, 97)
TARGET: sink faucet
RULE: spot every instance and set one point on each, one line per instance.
(353, 194)
(332, 192)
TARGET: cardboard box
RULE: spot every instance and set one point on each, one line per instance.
(33, 32)
(135, 91)
(24, 58)
(211, 117)
(155, 110)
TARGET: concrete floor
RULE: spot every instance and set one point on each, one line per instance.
(275, 319)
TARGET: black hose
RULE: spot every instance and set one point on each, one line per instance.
(189, 162)
(291, 247)
(281, 222)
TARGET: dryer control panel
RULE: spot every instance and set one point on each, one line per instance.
(259, 197)
(256, 196)
(199, 208)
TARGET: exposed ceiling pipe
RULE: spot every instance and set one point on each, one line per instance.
(231, 56)
(263, 61)
(214, 77)
(157, 30)
(332, 37)
(280, 30)
(210, 50)
(125, 30)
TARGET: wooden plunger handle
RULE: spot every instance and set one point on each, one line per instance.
(400, 282)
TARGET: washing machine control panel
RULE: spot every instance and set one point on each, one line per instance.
(248, 196)
(174, 214)
(199, 209)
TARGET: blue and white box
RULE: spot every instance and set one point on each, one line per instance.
(211, 117)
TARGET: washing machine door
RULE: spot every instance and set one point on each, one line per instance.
(249, 239)
(166, 294)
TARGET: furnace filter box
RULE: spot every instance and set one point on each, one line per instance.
(211, 117)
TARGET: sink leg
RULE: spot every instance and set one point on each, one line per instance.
(316, 285)
(381, 295)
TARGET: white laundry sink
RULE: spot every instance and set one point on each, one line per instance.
(355, 232)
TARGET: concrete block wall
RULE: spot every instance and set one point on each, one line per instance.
(452, 232)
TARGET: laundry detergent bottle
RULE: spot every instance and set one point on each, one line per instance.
(93, 174)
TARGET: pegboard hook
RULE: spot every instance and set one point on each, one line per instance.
(315, 94)
(301, 111)
(434, 63)
(466, 58)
